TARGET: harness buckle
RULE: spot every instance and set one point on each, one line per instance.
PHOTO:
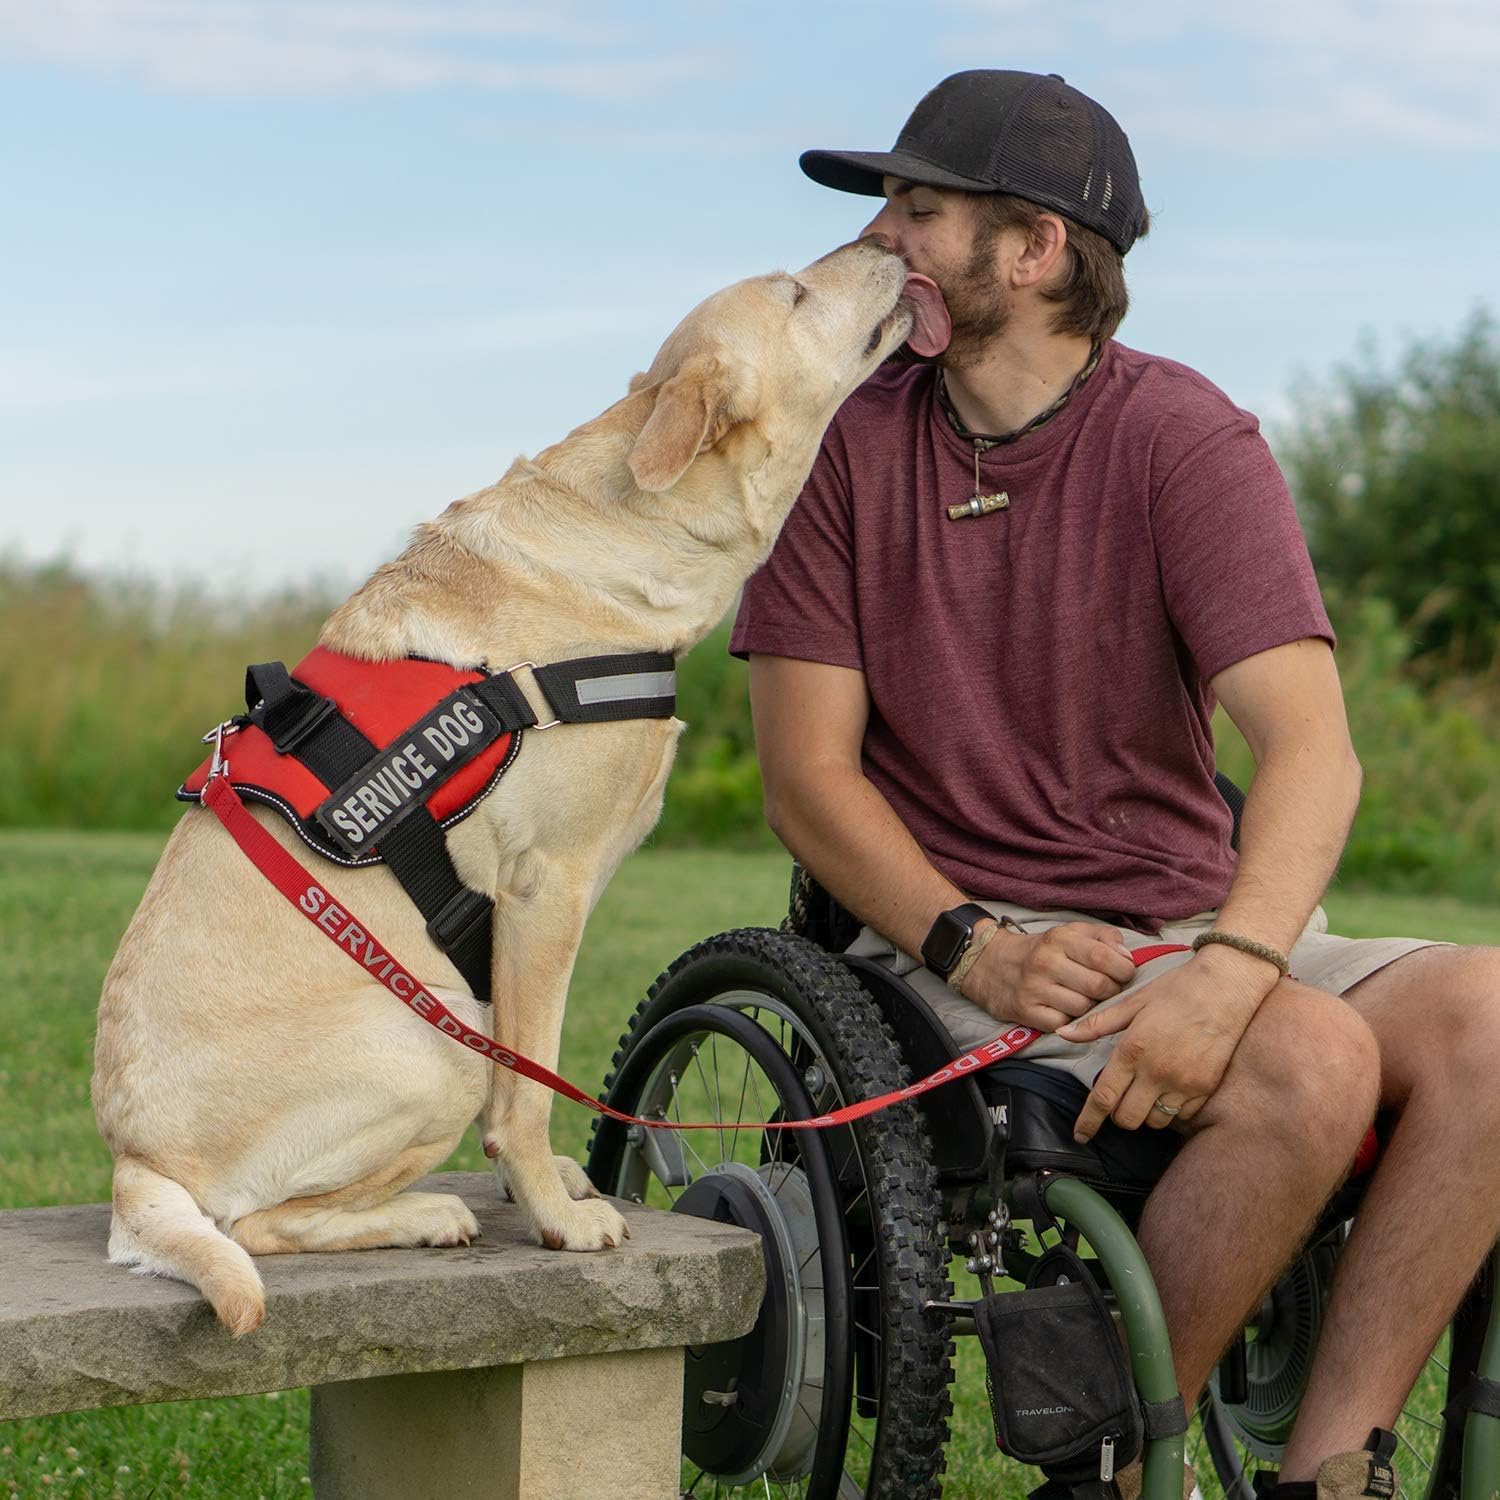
(531, 666)
(285, 737)
(458, 917)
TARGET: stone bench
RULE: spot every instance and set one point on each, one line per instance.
(502, 1370)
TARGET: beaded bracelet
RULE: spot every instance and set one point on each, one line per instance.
(1244, 945)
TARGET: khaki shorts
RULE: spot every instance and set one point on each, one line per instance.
(1320, 959)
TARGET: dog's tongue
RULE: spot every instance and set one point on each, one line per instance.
(931, 325)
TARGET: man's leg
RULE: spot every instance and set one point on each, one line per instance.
(1433, 1206)
(1263, 1157)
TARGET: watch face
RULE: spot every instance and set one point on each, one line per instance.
(945, 943)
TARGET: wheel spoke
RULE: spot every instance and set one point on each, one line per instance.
(1402, 1438)
(761, 1112)
(684, 1136)
(1416, 1416)
(698, 1063)
(739, 1114)
(862, 1196)
(713, 1049)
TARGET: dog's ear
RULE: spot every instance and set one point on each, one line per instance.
(690, 416)
(639, 381)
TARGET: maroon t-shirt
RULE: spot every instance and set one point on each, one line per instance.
(1039, 675)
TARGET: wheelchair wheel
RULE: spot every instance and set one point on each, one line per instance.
(1248, 1437)
(841, 1389)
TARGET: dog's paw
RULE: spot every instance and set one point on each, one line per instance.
(437, 1219)
(574, 1179)
(591, 1224)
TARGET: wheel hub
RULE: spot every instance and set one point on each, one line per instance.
(1279, 1358)
(752, 1406)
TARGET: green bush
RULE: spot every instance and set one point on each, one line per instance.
(714, 796)
(1397, 478)
(1429, 814)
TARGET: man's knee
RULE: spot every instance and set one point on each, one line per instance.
(1437, 1017)
(1308, 1067)
(1457, 1017)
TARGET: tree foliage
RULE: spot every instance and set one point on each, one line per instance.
(1396, 474)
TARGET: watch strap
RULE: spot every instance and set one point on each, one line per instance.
(969, 915)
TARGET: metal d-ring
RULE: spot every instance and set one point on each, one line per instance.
(511, 671)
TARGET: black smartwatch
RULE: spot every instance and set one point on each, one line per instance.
(949, 937)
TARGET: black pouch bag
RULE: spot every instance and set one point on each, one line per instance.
(1060, 1389)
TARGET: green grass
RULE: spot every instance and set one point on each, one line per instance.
(65, 898)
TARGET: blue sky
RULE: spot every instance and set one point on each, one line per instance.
(283, 277)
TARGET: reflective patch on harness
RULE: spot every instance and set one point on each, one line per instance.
(398, 780)
(627, 685)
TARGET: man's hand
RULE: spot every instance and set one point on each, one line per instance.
(1047, 979)
(1179, 1033)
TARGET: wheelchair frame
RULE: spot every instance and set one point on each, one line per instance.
(974, 1153)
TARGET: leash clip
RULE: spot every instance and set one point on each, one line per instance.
(219, 765)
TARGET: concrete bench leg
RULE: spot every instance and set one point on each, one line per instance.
(584, 1428)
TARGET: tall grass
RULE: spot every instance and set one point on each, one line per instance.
(107, 685)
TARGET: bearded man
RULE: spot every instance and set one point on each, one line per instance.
(983, 661)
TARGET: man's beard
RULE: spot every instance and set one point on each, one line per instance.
(977, 303)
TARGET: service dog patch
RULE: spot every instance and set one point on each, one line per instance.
(398, 780)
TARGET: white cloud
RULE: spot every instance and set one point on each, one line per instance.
(1334, 77)
(254, 47)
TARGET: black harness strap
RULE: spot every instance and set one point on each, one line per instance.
(500, 694)
(303, 723)
(604, 689)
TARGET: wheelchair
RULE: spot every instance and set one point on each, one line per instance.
(841, 1390)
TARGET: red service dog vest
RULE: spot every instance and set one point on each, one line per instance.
(438, 745)
(373, 761)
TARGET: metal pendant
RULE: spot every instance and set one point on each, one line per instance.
(980, 505)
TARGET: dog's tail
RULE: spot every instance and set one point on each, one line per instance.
(159, 1229)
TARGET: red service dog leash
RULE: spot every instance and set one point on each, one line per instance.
(289, 876)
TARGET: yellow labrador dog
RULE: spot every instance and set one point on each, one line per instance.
(258, 1094)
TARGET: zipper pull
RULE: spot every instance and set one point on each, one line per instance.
(1107, 1459)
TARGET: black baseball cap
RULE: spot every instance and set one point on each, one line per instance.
(994, 131)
